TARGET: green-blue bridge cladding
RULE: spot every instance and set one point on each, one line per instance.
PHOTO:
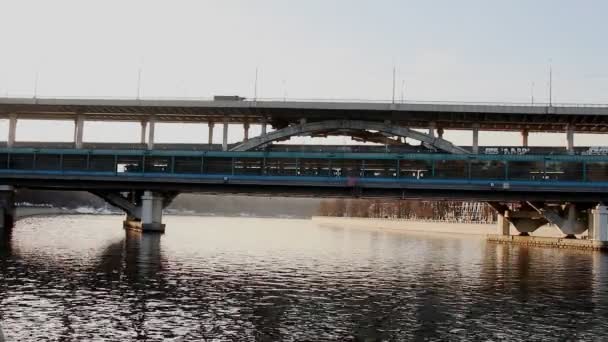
(566, 170)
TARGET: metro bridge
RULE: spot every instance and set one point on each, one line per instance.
(566, 187)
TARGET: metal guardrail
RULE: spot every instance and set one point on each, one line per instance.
(319, 100)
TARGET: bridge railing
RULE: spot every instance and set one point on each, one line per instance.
(346, 166)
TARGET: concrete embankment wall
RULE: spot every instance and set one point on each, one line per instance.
(401, 225)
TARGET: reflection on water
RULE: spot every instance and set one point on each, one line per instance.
(83, 278)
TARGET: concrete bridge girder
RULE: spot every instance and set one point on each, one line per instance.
(308, 128)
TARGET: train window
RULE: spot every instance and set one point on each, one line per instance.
(21, 161)
(527, 170)
(74, 162)
(248, 166)
(101, 163)
(487, 169)
(187, 165)
(281, 167)
(563, 171)
(127, 164)
(416, 169)
(48, 162)
(158, 164)
(451, 169)
(597, 172)
(218, 166)
(314, 167)
(380, 168)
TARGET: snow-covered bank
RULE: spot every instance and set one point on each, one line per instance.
(401, 225)
(29, 211)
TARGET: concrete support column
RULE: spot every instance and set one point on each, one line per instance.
(246, 131)
(210, 124)
(225, 135)
(440, 132)
(476, 138)
(432, 129)
(264, 124)
(503, 226)
(78, 131)
(152, 212)
(599, 229)
(151, 123)
(570, 139)
(7, 208)
(524, 138)
(143, 133)
(12, 130)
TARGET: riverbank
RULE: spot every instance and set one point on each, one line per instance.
(435, 227)
(25, 212)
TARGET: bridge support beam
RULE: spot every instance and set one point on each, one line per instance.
(142, 135)
(525, 221)
(440, 132)
(524, 138)
(599, 225)
(210, 125)
(225, 135)
(503, 226)
(7, 208)
(569, 218)
(144, 209)
(12, 130)
(246, 131)
(78, 131)
(152, 212)
(151, 123)
(570, 139)
(525, 218)
(264, 124)
(475, 138)
(432, 126)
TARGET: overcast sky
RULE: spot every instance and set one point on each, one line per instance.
(468, 50)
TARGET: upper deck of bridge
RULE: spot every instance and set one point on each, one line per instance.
(587, 118)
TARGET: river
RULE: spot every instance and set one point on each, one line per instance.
(80, 278)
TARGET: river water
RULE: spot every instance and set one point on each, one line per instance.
(81, 278)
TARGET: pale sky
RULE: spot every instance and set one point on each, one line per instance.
(468, 50)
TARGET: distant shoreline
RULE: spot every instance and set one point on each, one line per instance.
(421, 226)
(26, 212)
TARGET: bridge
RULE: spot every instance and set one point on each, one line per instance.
(565, 186)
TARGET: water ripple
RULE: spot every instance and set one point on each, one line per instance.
(218, 279)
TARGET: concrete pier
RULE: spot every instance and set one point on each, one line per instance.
(599, 226)
(503, 226)
(7, 208)
(152, 212)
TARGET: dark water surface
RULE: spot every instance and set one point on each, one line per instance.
(83, 278)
